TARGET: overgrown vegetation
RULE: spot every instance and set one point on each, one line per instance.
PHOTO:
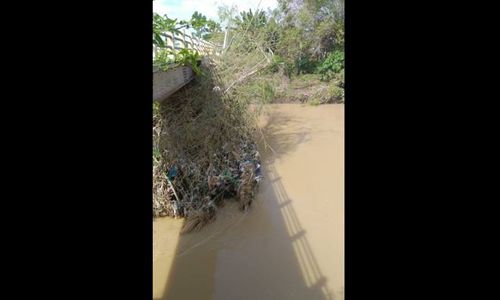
(299, 38)
(166, 58)
(204, 149)
(332, 65)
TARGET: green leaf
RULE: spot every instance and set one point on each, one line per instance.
(159, 40)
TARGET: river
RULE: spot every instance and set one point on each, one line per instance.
(290, 244)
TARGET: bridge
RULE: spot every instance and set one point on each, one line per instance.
(165, 83)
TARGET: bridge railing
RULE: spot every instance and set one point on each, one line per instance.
(168, 82)
(182, 40)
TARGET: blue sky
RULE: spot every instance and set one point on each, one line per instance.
(183, 9)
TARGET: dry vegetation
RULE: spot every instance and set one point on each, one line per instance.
(203, 152)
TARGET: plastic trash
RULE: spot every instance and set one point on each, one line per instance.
(258, 170)
(172, 173)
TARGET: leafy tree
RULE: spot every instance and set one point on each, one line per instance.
(199, 22)
(332, 65)
(202, 25)
(160, 26)
(251, 21)
(309, 30)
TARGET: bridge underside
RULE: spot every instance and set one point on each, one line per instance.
(167, 83)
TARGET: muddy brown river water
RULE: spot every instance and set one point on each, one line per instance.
(290, 244)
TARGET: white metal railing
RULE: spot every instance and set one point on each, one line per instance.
(181, 40)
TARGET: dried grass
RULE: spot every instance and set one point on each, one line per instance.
(207, 137)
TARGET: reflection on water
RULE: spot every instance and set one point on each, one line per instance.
(290, 245)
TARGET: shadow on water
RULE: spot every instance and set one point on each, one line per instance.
(266, 255)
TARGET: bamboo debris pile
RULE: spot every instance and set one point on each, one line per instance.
(203, 152)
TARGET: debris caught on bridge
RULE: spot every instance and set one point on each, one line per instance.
(204, 152)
